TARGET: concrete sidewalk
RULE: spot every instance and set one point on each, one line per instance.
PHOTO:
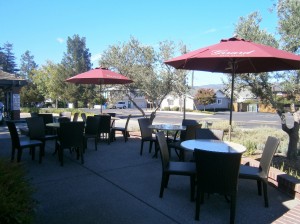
(117, 185)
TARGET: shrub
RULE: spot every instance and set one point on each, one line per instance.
(16, 203)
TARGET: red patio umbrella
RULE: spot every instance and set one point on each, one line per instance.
(236, 55)
(99, 76)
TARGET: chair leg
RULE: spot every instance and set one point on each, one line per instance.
(60, 154)
(81, 155)
(265, 189)
(124, 135)
(96, 141)
(166, 180)
(150, 146)
(198, 198)
(162, 185)
(19, 155)
(13, 150)
(259, 187)
(42, 152)
(142, 146)
(32, 149)
(232, 208)
(192, 183)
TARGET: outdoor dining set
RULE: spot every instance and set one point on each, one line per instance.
(187, 149)
(213, 165)
(67, 132)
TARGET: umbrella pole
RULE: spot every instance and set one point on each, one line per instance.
(231, 98)
(100, 99)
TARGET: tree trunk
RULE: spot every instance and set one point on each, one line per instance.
(293, 134)
(137, 107)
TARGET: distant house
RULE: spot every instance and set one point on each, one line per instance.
(245, 95)
(222, 102)
(172, 101)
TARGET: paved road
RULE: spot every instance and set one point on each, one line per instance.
(242, 119)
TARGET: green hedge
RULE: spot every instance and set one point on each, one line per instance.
(16, 203)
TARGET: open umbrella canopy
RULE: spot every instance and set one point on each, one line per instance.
(249, 57)
(99, 76)
(236, 55)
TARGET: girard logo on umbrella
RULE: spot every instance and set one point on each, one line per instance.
(230, 53)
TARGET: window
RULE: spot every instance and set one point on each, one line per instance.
(219, 101)
(170, 102)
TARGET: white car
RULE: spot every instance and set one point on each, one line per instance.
(121, 105)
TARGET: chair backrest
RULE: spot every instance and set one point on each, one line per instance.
(66, 114)
(186, 122)
(190, 132)
(92, 125)
(71, 134)
(112, 114)
(127, 121)
(267, 155)
(104, 123)
(36, 127)
(63, 119)
(48, 118)
(75, 117)
(217, 172)
(205, 133)
(15, 140)
(164, 152)
(83, 116)
(146, 132)
(34, 114)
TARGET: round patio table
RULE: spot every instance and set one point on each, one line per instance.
(213, 145)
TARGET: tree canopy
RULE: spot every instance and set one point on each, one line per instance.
(145, 66)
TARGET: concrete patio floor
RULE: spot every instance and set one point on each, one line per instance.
(117, 185)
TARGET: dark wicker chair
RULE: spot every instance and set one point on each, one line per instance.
(83, 117)
(205, 133)
(188, 134)
(174, 168)
(37, 131)
(121, 129)
(146, 134)
(105, 127)
(260, 174)
(67, 114)
(217, 173)
(91, 130)
(75, 117)
(71, 137)
(19, 145)
(63, 119)
(48, 118)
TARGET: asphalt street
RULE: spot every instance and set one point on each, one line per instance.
(242, 119)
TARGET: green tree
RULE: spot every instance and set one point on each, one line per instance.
(288, 12)
(261, 84)
(28, 65)
(29, 94)
(50, 84)
(205, 97)
(144, 65)
(76, 60)
(7, 59)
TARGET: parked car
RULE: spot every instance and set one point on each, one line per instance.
(121, 105)
(118, 105)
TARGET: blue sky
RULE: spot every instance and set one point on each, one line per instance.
(42, 26)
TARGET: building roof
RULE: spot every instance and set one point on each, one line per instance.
(10, 80)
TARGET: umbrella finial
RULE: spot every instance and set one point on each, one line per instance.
(102, 67)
